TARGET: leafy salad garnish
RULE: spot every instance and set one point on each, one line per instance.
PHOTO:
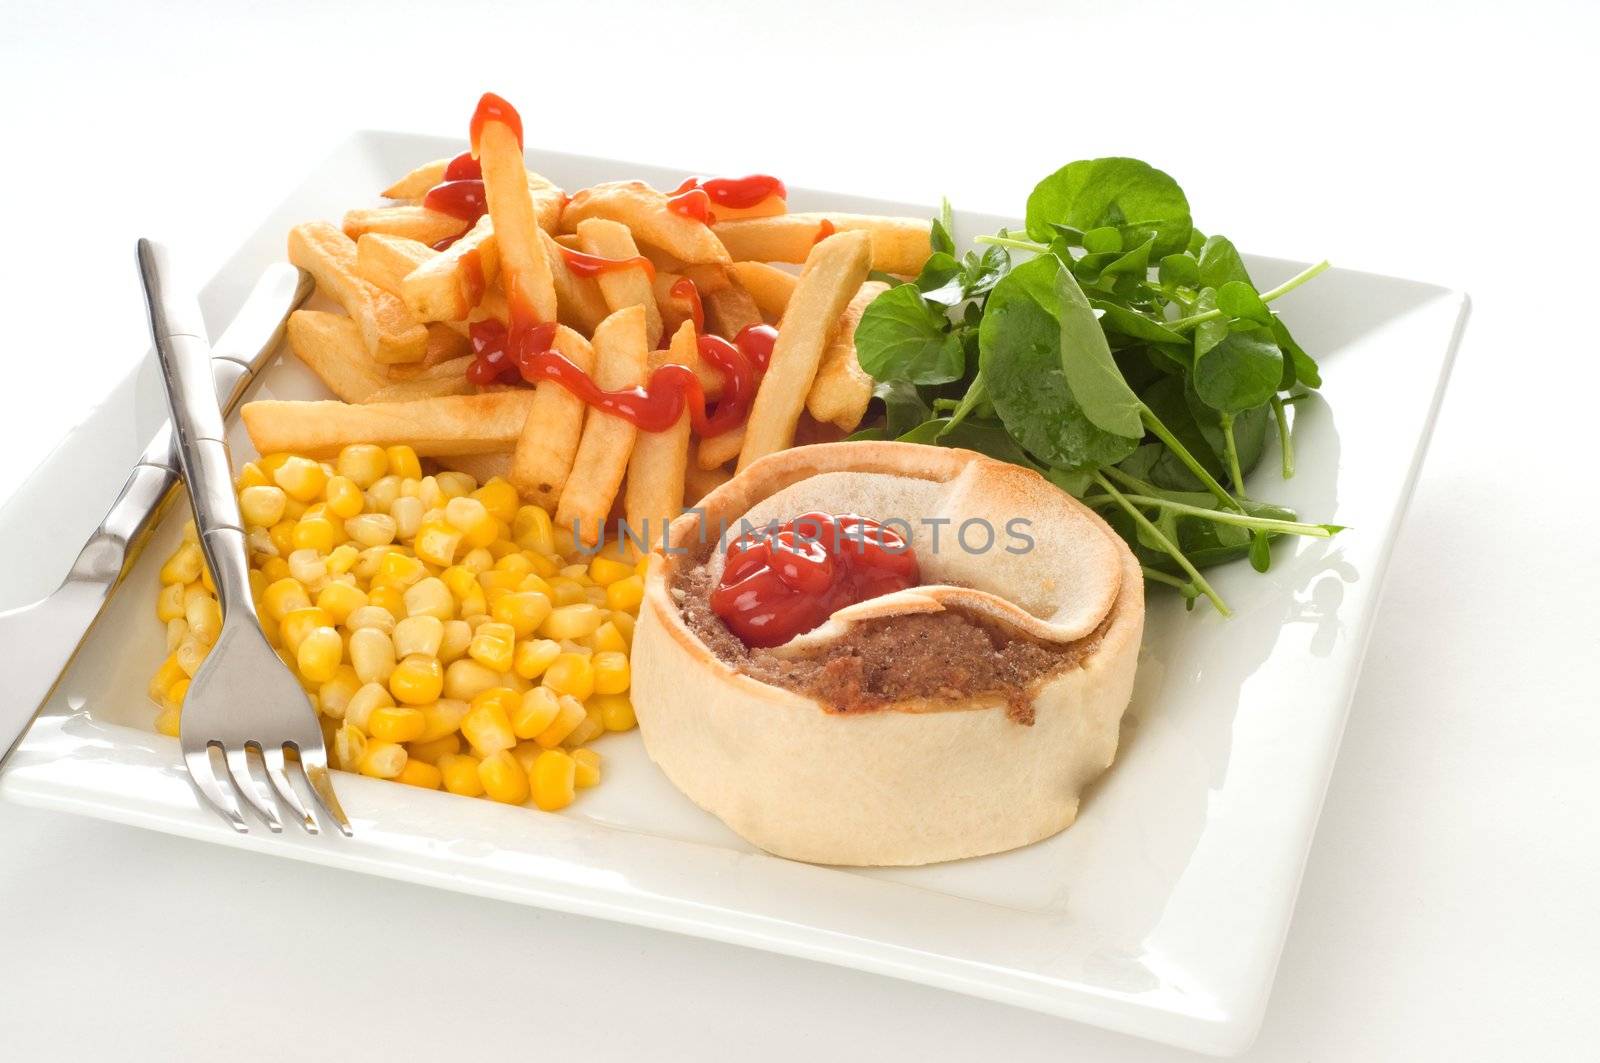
(1127, 356)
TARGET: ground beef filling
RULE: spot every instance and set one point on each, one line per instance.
(944, 656)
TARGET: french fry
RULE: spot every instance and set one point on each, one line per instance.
(481, 467)
(842, 389)
(579, 303)
(708, 277)
(834, 271)
(675, 310)
(700, 482)
(644, 211)
(547, 201)
(622, 287)
(602, 459)
(411, 221)
(448, 354)
(455, 424)
(730, 310)
(524, 267)
(330, 346)
(660, 460)
(767, 208)
(421, 388)
(447, 286)
(545, 451)
(387, 260)
(415, 185)
(663, 262)
(768, 285)
(387, 328)
(899, 245)
(718, 450)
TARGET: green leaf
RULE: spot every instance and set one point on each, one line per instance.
(1030, 326)
(1249, 430)
(1134, 197)
(1299, 367)
(974, 402)
(1114, 317)
(1236, 367)
(1074, 482)
(1220, 263)
(939, 270)
(903, 407)
(989, 438)
(1239, 299)
(943, 226)
(900, 337)
(1181, 270)
(1103, 240)
(1166, 401)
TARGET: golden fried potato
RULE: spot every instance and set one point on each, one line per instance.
(654, 492)
(411, 221)
(623, 287)
(387, 260)
(579, 303)
(525, 269)
(620, 357)
(546, 449)
(843, 389)
(447, 286)
(438, 427)
(768, 285)
(414, 185)
(387, 327)
(644, 211)
(899, 245)
(330, 346)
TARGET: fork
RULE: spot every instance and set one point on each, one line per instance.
(243, 702)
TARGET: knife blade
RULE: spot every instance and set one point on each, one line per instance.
(38, 641)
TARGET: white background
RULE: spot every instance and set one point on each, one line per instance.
(1450, 908)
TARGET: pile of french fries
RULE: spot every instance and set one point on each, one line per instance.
(397, 357)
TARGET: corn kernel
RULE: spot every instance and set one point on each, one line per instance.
(382, 760)
(616, 712)
(526, 754)
(408, 514)
(454, 484)
(588, 729)
(307, 566)
(371, 529)
(373, 616)
(387, 597)
(418, 634)
(531, 529)
(298, 623)
(533, 656)
(578, 574)
(169, 603)
(168, 673)
(608, 570)
(515, 682)
(342, 559)
(334, 695)
(612, 674)
(474, 605)
(319, 653)
(487, 724)
(430, 493)
(441, 718)
(314, 533)
(273, 569)
(517, 563)
(437, 542)
(565, 591)
(343, 497)
(503, 778)
(400, 570)
(341, 600)
(430, 752)
(363, 463)
(177, 631)
(535, 712)
(403, 461)
(554, 778)
(624, 624)
(251, 476)
(262, 506)
(471, 518)
(493, 646)
(301, 478)
(169, 721)
(607, 639)
(466, 679)
(364, 702)
(430, 597)
(478, 560)
(417, 680)
(461, 775)
(191, 652)
(570, 713)
(586, 763)
(175, 694)
(572, 622)
(523, 610)
(372, 654)
(184, 566)
(396, 723)
(382, 494)
(420, 773)
(496, 582)
(626, 594)
(282, 535)
(571, 673)
(499, 498)
(457, 636)
(349, 746)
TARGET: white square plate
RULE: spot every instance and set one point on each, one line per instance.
(1161, 913)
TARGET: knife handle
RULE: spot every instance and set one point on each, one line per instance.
(185, 358)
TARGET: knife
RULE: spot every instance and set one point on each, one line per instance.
(38, 641)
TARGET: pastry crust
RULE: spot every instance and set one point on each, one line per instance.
(918, 782)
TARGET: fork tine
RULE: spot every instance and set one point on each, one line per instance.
(273, 758)
(257, 796)
(198, 762)
(314, 762)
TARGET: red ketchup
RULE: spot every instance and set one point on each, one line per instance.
(526, 355)
(585, 265)
(694, 205)
(685, 289)
(736, 193)
(775, 586)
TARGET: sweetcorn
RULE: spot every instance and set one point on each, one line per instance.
(452, 637)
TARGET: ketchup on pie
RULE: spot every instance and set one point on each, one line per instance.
(776, 585)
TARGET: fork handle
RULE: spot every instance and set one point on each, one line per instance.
(185, 358)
